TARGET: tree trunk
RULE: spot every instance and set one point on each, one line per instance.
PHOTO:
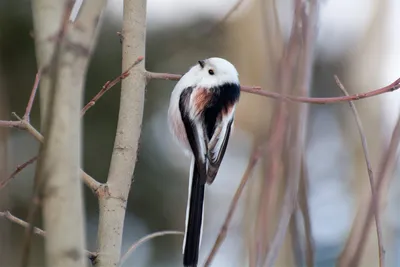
(115, 193)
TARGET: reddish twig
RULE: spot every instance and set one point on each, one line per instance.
(387, 160)
(276, 135)
(304, 207)
(224, 229)
(108, 85)
(370, 174)
(32, 97)
(144, 240)
(17, 170)
(11, 124)
(7, 215)
(311, 100)
(306, 18)
(24, 123)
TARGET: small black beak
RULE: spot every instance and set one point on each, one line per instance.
(201, 63)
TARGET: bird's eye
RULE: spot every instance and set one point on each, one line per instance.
(211, 72)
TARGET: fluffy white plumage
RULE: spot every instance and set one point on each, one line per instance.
(197, 76)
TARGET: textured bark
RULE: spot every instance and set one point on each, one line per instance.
(63, 52)
(114, 198)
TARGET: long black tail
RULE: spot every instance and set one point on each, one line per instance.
(194, 219)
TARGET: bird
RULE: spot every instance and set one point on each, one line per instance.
(201, 117)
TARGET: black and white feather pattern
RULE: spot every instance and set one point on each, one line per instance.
(201, 115)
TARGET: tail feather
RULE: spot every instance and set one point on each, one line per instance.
(194, 218)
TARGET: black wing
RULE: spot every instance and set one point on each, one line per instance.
(195, 135)
(217, 149)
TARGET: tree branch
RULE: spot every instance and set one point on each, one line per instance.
(256, 155)
(108, 85)
(364, 143)
(307, 16)
(257, 90)
(87, 179)
(19, 168)
(144, 240)
(113, 202)
(58, 185)
(7, 215)
(32, 98)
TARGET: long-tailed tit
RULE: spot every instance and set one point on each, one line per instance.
(200, 116)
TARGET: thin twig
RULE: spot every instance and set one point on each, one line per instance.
(32, 97)
(6, 214)
(364, 143)
(19, 168)
(304, 207)
(307, 16)
(277, 133)
(89, 180)
(108, 85)
(283, 97)
(28, 127)
(387, 159)
(11, 124)
(24, 123)
(224, 229)
(253, 90)
(36, 230)
(144, 240)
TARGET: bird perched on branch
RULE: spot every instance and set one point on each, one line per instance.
(200, 115)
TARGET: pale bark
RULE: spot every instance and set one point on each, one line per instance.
(114, 198)
(47, 18)
(63, 57)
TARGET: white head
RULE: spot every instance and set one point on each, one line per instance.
(209, 73)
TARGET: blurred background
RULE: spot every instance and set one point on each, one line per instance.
(357, 40)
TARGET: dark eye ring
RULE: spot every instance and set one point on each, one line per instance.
(211, 72)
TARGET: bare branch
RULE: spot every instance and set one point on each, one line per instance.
(363, 221)
(32, 98)
(370, 174)
(304, 207)
(307, 17)
(144, 240)
(113, 204)
(48, 18)
(387, 161)
(12, 218)
(88, 180)
(7, 215)
(49, 57)
(11, 124)
(57, 176)
(256, 155)
(257, 90)
(19, 168)
(108, 85)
